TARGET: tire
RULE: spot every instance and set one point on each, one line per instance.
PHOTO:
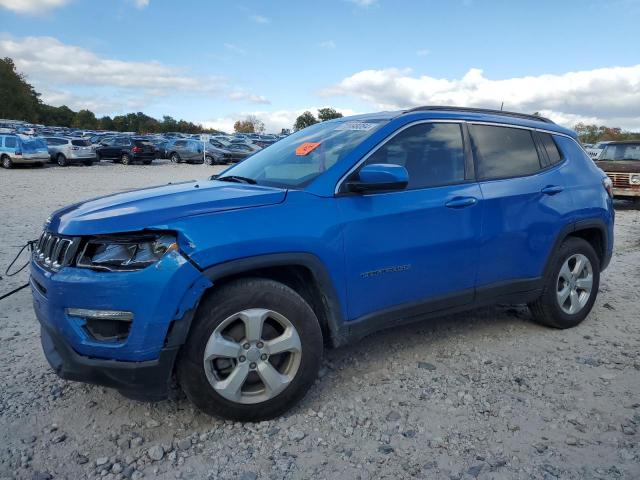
(549, 309)
(209, 160)
(125, 159)
(88, 163)
(61, 160)
(6, 162)
(253, 297)
(175, 158)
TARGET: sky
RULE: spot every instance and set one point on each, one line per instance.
(215, 62)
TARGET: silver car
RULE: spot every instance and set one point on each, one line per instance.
(64, 151)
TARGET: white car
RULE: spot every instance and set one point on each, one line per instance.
(595, 151)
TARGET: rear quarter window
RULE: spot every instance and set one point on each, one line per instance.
(504, 152)
(10, 142)
(551, 148)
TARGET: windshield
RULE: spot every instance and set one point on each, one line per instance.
(629, 151)
(300, 158)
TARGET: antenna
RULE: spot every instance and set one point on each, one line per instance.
(501, 106)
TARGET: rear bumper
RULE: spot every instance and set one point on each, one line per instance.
(27, 159)
(146, 381)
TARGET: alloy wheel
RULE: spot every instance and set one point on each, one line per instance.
(252, 356)
(575, 283)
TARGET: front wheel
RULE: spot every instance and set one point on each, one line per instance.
(253, 351)
(571, 285)
(175, 158)
(209, 160)
(126, 159)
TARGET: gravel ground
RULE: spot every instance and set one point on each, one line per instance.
(487, 394)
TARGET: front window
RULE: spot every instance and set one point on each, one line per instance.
(297, 160)
(627, 151)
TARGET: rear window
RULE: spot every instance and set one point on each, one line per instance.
(10, 142)
(551, 148)
(34, 145)
(142, 143)
(504, 152)
(81, 143)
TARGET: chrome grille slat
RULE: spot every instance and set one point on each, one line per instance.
(55, 251)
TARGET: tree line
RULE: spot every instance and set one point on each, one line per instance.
(20, 101)
(589, 133)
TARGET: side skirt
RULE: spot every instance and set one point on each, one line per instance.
(511, 292)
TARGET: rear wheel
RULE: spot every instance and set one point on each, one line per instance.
(61, 160)
(6, 162)
(175, 158)
(209, 160)
(253, 351)
(125, 159)
(571, 285)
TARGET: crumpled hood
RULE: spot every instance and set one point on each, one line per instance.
(156, 206)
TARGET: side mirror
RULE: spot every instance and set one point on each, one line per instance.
(378, 177)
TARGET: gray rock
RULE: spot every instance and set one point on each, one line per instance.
(475, 470)
(296, 435)
(248, 476)
(117, 468)
(426, 366)
(102, 461)
(184, 444)
(156, 453)
(393, 416)
(386, 449)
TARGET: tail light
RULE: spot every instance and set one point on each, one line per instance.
(136, 149)
(608, 186)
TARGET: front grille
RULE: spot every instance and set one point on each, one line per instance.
(620, 180)
(55, 251)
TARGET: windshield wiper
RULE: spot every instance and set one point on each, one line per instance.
(237, 179)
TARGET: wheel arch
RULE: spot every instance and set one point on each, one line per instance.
(303, 272)
(593, 231)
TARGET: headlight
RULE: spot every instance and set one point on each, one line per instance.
(634, 179)
(126, 252)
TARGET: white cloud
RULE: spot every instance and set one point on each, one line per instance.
(242, 95)
(363, 3)
(79, 78)
(260, 19)
(610, 94)
(51, 61)
(141, 3)
(32, 6)
(423, 52)
(329, 44)
(235, 49)
(274, 121)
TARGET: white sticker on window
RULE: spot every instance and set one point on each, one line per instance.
(355, 126)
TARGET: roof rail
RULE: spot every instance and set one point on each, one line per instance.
(525, 116)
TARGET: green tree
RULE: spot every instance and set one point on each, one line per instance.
(106, 123)
(251, 124)
(328, 113)
(59, 116)
(304, 120)
(85, 119)
(18, 99)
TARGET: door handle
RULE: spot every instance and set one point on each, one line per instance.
(552, 189)
(461, 202)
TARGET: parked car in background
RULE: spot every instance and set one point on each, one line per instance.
(185, 150)
(217, 154)
(595, 151)
(65, 151)
(621, 163)
(22, 150)
(126, 150)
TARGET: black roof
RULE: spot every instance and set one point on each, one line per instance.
(487, 111)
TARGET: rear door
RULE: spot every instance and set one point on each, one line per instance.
(419, 246)
(527, 202)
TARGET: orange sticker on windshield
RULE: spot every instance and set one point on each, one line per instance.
(306, 148)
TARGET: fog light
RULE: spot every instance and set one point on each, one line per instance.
(104, 325)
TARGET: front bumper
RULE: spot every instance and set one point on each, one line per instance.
(162, 299)
(148, 381)
(626, 192)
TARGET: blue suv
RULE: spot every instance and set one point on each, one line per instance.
(235, 284)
